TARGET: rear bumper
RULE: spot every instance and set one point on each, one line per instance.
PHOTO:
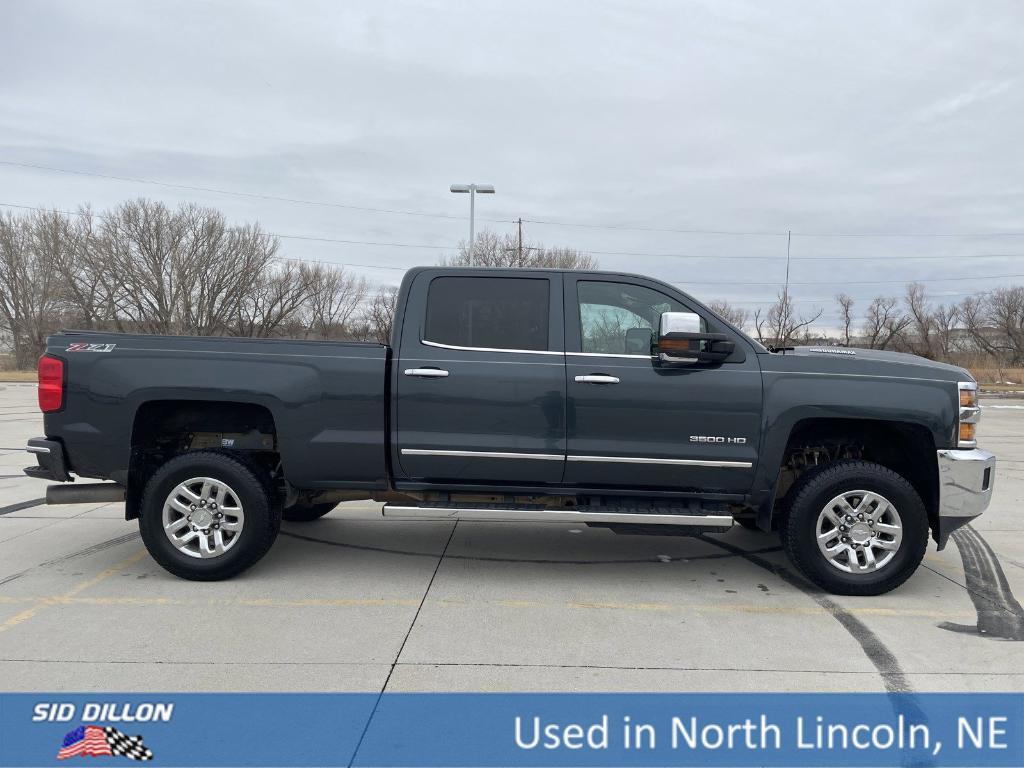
(51, 463)
(966, 478)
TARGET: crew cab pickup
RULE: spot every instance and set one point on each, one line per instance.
(600, 398)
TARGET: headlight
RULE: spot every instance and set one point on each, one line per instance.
(970, 413)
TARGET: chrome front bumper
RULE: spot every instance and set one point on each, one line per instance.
(966, 478)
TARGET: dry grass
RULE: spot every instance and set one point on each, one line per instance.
(17, 376)
(999, 376)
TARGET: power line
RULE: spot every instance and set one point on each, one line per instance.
(441, 247)
(281, 235)
(773, 233)
(237, 193)
(854, 282)
(547, 222)
(819, 299)
(782, 257)
(650, 254)
(580, 225)
(338, 263)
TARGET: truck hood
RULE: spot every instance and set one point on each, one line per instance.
(853, 360)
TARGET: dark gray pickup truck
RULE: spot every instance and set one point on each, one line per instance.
(521, 395)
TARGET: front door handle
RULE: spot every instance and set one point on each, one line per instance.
(427, 373)
(597, 378)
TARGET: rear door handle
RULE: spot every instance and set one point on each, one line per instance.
(597, 378)
(427, 373)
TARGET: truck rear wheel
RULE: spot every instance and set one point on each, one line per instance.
(304, 513)
(207, 516)
(855, 528)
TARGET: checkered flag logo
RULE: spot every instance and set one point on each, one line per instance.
(96, 741)
(127, 746)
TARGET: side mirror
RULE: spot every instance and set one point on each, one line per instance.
(681, 341)
(639, 341)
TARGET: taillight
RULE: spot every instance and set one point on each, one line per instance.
(51, 384)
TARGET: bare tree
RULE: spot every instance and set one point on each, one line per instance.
(379, 315)
(493, 250)
(780, 325)
(735, 315)
(333, 297)
(276, 299)
(922, 323)
(845, 315)
(973, 312)
(883, 322)
(29, 281)
(86, 283)
(995, 323)
(182, 271)
(945, 319)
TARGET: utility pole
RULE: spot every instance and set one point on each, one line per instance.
(520, 240)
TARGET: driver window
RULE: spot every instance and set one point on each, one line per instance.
(621, 318)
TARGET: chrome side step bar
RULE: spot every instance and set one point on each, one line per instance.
(498, 514)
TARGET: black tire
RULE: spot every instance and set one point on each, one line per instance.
(816, 489)
(305, 513)
(251, 486)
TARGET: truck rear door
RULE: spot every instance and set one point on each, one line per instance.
(480, 379)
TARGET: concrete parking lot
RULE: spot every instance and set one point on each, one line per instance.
(355, 603)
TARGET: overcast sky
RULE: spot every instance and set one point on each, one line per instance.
(889, 119)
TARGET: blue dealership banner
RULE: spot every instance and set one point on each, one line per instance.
(450, 729)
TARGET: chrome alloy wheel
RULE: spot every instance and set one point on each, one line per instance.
(203, 517)
(859, 532)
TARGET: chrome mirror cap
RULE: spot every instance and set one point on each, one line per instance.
(672, 323)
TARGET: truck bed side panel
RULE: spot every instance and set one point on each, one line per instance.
(327, 399)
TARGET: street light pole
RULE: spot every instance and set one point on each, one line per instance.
(472, 189)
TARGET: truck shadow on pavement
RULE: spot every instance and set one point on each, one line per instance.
(1000, 615)
(529, 560)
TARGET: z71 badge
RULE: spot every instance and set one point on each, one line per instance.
(83, 347)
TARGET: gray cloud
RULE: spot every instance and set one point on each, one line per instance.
(816, 117)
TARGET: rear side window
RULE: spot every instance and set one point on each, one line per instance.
(494, 312)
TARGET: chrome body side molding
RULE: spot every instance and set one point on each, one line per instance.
(492, 349)
(513, 515)
(483, 454)
(649, 460)
(560, 457)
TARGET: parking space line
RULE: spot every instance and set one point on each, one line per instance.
(412, 624)
(28, 613)
(146, 602)
(519, 605)
(878, 653)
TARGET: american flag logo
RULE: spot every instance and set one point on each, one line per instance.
(97, 741)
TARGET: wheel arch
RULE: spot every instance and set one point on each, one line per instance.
(164, 428)
(905, 447)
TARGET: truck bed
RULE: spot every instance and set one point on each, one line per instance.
(327, 399)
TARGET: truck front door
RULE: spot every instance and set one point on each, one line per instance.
(633, 423)
(481, 379)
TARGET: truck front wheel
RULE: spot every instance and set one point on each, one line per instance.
(207, 516)
(855, 528)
